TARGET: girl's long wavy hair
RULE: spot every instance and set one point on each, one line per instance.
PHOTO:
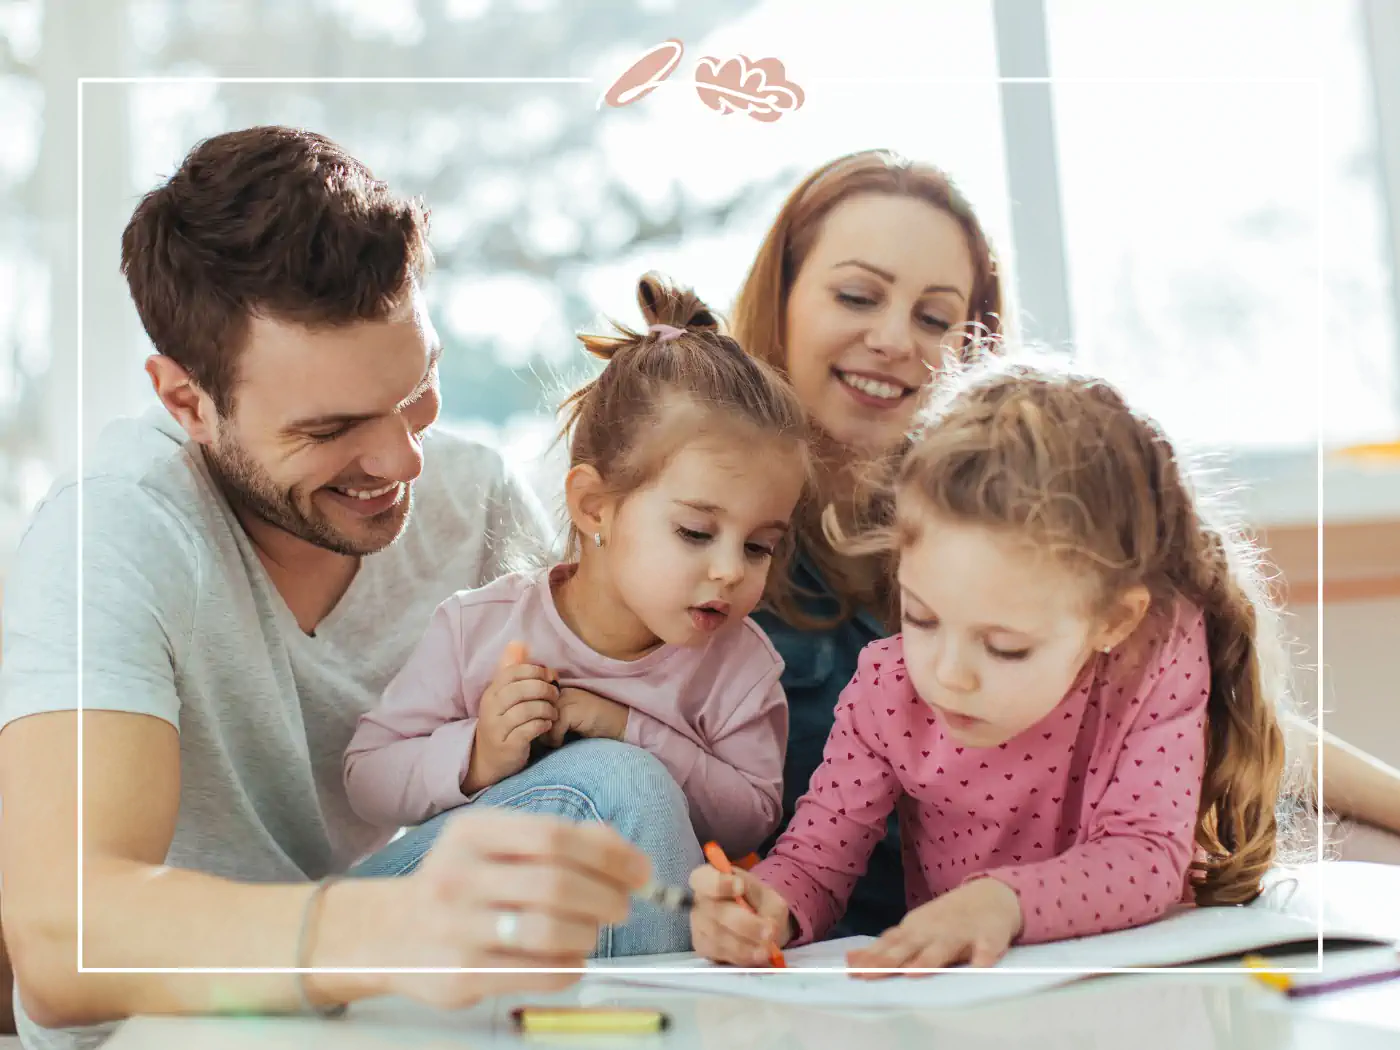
(1061, 460)
(759, 323)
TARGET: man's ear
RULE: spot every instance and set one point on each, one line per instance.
(192, 408)
(589, 501)
(1122, 618)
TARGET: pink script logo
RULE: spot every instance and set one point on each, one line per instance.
(733, 85)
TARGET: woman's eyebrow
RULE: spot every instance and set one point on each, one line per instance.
(931, 289)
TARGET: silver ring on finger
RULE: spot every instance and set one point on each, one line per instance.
(508, 929)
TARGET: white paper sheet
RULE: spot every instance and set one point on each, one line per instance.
(1286, 915)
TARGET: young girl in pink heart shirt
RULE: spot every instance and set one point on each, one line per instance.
(1077, 727)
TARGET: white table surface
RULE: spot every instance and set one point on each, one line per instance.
(1191, 1010)
(1135, 1011)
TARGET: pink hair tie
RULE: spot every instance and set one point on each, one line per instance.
(666, 332)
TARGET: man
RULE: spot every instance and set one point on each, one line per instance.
(258, 559)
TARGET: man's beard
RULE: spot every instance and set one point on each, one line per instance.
(248, 487)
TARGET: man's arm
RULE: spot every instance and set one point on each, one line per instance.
(142, 576)
(564, 880)
(136, 911)
(140, 585)
(7, 986)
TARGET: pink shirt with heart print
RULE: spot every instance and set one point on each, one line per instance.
(1088, 815)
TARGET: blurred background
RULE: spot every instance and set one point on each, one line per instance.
(1204, 204)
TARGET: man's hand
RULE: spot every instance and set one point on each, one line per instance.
(499, 888)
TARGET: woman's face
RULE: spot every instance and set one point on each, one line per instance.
(871, 311)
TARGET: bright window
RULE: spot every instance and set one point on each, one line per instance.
(1216, 248)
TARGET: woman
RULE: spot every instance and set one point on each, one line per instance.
(872, 270)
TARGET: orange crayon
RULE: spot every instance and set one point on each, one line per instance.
(716, 857)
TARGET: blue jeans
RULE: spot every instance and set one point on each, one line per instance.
(603, 780)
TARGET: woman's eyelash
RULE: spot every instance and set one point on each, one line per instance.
(851, 299)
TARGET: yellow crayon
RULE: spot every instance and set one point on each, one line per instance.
(1259, 965)
(1374, 452)
(583, 1019)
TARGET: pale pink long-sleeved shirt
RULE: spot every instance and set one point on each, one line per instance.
(715, 715)
(1089, 815)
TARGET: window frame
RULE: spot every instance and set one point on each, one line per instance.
(1278, 487)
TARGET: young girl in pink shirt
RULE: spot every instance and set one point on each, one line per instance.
(1076, 728)
(542, 689)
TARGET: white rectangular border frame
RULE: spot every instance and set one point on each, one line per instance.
(1321, 381)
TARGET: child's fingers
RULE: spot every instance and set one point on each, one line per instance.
(709, 940)
(895, 947)
(715, 904)
(859, 958)
(986, 952)
(504, 688)
(766, 901)
(941, 951)
(768, 907)
(527, 731)
(514, 653)
(527, 690)
(751, 933)
(559, 729)
(522, 672)
(710, 928)
(527, 711)
(710, 883)
(873, 954)
(748, 932)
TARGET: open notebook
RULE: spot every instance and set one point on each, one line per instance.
(1357, 904)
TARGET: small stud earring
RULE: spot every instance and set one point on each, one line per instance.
(1106, 650)
(597, 539)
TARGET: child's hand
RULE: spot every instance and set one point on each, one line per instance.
(725, 931)
(974, 923)
(517, 707)
(587, 714)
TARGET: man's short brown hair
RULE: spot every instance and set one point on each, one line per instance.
(266, 222)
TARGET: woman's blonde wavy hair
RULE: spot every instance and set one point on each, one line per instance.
(1059, 458)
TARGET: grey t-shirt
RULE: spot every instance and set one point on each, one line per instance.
(181, 621)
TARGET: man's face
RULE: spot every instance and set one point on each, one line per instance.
(324, 440)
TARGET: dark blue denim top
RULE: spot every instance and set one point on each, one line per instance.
(819, 664)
